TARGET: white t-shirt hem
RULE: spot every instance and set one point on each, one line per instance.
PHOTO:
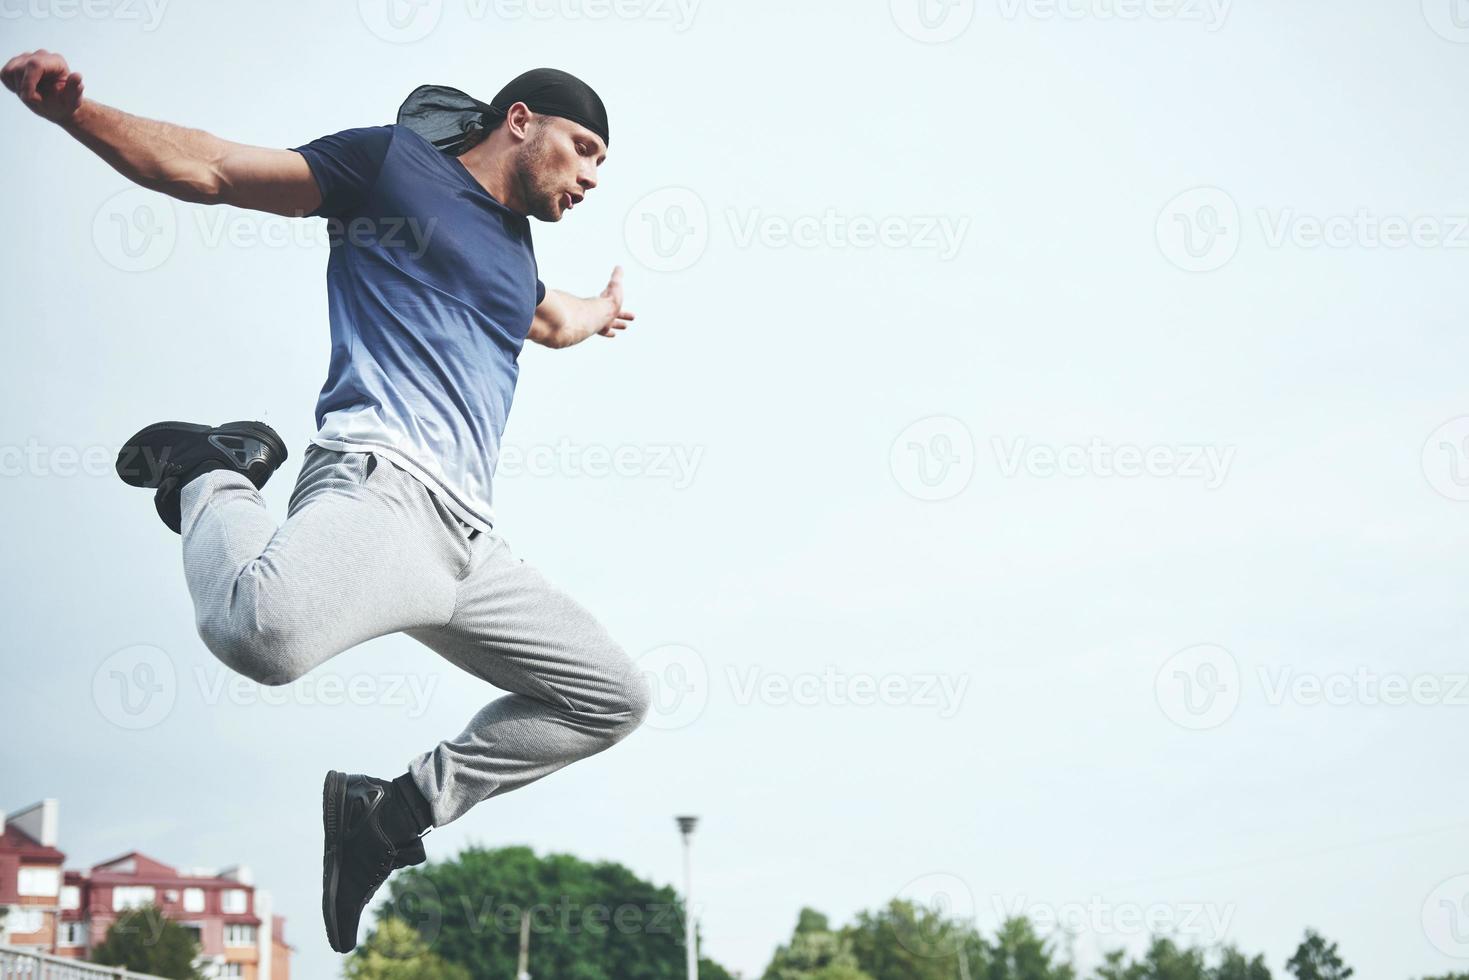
(435, 486)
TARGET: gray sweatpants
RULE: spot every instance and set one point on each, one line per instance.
(367, 550)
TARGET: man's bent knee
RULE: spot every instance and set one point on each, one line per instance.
(632, 702)
(265, 656)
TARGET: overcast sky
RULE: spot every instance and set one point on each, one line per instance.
(1036, 479)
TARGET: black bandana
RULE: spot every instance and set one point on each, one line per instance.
(449, 119)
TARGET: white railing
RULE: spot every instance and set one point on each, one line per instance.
(25, 964)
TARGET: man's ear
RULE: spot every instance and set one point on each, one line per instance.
(519, 117)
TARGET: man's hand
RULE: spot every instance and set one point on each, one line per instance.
(562, 319)
(618, 318)
(184, 163)
(45, 84)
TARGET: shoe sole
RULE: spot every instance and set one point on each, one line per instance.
(140, 462)
(333, 802)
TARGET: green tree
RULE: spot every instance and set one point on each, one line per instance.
(908, 941)
(710, 970)
(395, 951)
(1019, 954)
(1234, 965)
(1165, 960)
(814, 952)
(1317, 959)
(146, 941)
(587, 921)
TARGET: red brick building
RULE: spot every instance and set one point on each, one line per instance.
(67, 913)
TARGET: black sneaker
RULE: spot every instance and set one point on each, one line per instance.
(167, 455)
(359, 852)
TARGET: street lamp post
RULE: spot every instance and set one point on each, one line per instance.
(686, 828)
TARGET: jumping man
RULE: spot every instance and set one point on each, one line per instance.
(433, 289)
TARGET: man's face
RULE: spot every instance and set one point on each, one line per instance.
(558, 165)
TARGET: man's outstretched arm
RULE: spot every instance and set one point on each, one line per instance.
(188, 164)
(562, 319)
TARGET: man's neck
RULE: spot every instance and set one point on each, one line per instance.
(490, 165)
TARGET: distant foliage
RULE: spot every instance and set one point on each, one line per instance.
(144, 940)
(1317, 959)
(587, 921)
(395, 951)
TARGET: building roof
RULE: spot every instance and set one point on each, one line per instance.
(17, 841)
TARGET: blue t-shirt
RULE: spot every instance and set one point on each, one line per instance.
(432, 286)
